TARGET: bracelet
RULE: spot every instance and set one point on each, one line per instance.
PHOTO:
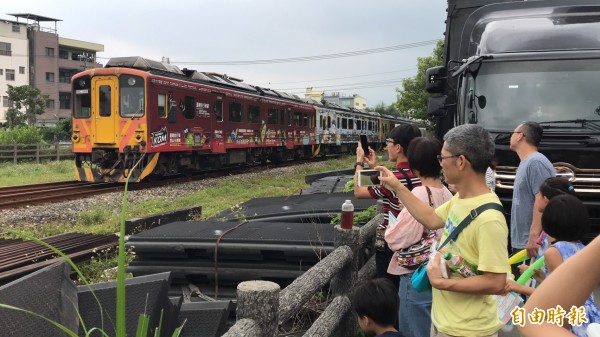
(357, 164)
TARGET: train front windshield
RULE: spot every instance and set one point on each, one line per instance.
(82, 93)
(131, 96)
(503, 94)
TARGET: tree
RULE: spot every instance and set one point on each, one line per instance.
(412, 97)
(26, 103)
(381, 108)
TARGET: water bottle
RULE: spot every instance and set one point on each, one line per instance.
(347, 215)
(459, 265)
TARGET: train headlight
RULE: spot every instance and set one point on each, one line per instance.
(138, 137)
(75, 138)
(131, 81)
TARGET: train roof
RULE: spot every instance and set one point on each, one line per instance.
(212, 78)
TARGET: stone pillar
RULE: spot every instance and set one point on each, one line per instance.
(259, 301)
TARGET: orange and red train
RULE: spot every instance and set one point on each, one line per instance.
(173, 121)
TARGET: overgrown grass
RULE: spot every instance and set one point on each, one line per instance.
(32, 173)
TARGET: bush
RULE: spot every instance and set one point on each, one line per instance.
(61, 132)
(20, 135)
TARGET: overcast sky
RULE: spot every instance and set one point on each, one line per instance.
(249, 30)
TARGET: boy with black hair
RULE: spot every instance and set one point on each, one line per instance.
(376, 304)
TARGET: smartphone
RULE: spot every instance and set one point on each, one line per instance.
(364, 142)
(369, 178)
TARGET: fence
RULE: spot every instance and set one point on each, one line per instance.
(35, 152)
(262, 307)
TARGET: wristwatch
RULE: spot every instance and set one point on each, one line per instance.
(358, 163)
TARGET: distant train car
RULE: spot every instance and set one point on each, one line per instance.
(170, 121)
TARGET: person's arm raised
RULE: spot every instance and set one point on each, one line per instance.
(421, 211)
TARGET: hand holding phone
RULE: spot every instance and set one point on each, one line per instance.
(369, 178)
(364, 143)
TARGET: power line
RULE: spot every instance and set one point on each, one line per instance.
(391, 80)
(341, 78)
(313, 58)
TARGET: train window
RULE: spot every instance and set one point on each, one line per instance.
(131, 96)
(297, 119)
(189, 107)
(289, 118)
(310, 122)
(321, 121)
(235, 112)
(162, 105)
(105, 100)
(304, 119)
(253, 114)
(82, 106)
(219, 110)
(172, 116)
(344, 123)
(338, 121)
(328, 122)
(282, 117)
(351, 124)
(272, 116)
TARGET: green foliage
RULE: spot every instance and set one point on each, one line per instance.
(412, 97)
(61, 132)
(381, 108)
(32, 173)
(360, 218)
(27, 103)
(94, 217)
(20, 135)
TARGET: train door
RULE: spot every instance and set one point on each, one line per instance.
(104, 109)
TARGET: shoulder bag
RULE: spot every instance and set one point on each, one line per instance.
(419, 279)
(413, 256)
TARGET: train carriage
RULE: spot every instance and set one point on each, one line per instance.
(170, 121)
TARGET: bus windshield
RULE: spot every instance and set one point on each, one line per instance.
(504, 94)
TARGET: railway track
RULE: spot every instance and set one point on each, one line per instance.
(18, 196)
(19, 257)
(27, 195)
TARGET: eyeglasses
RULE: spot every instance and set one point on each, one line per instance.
(440, 158)
(388, 141)
(519, 132)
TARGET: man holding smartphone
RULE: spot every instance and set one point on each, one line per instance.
(397, 146)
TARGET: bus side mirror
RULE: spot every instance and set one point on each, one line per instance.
(436, 106)
(435, 79)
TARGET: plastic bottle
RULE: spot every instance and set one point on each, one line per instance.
(459, 265)
(347, 215)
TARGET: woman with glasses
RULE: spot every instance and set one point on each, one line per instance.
(407, 232)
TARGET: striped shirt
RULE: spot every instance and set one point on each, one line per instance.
(390, 202)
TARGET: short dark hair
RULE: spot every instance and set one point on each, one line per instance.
(378, 300)
(473, 142)
(403, 134)
(554, 186)
(566, 218)
(533, 133)
(422, 156)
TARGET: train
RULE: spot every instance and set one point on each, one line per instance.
(137, 119)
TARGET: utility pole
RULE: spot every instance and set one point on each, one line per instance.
(85, 57)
